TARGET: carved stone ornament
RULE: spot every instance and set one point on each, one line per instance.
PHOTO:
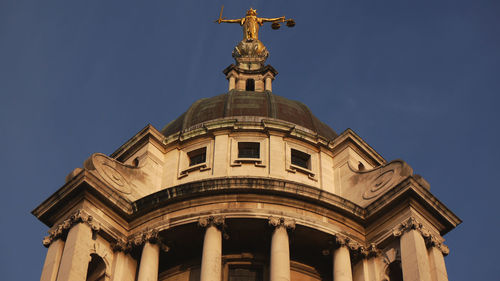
(282, 222)
(151, 235)
(410, 224)
(370, 251)
(434, 241)
(80, 216)
(217, 221)
(357, 249)
(430, 240)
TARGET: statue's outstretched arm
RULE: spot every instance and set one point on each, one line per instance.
(282, 19)
(228, 21)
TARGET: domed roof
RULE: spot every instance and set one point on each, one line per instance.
(248, 103)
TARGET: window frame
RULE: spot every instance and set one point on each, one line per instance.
(238, 161)
(184, 165)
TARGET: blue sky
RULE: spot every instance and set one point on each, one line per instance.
(417, 80)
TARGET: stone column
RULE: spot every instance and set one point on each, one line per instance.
(150, 257)
(342, 261)
(124, 266)
(52, 260)
(269, 82)
(76, 254)
(414, 259)
(435, 252)
(211, 259)
(150, 260)
(280, 249)
(232, 83)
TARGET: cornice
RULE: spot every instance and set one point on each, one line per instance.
(148, 134)
(349, 138)
(83, 183)
(257, 185)
(411, 188)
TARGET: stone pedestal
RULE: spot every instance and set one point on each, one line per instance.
(52, 261)
(150, 260)
(342, 264)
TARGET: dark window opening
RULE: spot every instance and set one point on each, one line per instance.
(250, 85)
(97, 269)
(394, 271)
(197, 156)
(248, 150)
(301, 159)
(361, 167)
(245, 273)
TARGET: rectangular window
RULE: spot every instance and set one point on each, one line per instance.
(197, 156)
(301, 159)
(248, 150)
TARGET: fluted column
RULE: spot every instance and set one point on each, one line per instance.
(342, 261)
(414, 259)
(280, 249)
(52, 260)
(436, 252)
(211, 260)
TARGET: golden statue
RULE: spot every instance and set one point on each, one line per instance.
(251, 23)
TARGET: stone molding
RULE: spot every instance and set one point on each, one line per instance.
(80, 216)
(282, 222)
(430, 240)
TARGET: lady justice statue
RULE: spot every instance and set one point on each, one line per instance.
(250, 46)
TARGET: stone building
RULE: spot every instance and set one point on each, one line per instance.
(246, 185)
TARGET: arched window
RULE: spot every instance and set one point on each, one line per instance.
(394, 271)
(250, 85)
(97, 269)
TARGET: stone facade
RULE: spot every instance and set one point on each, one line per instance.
(245, 197)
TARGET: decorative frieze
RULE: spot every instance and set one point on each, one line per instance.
(80, 216)
(282, 222)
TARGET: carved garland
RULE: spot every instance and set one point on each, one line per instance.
(80, 216)
(431, 240)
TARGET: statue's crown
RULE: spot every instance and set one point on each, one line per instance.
(251, 12)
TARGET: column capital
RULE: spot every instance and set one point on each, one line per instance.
(435, 241)
(410, 224)
(217, 221)
(79, 216)
(370, 250)
(282, 222)
(149, 235)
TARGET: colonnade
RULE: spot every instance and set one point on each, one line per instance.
(421, 253)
